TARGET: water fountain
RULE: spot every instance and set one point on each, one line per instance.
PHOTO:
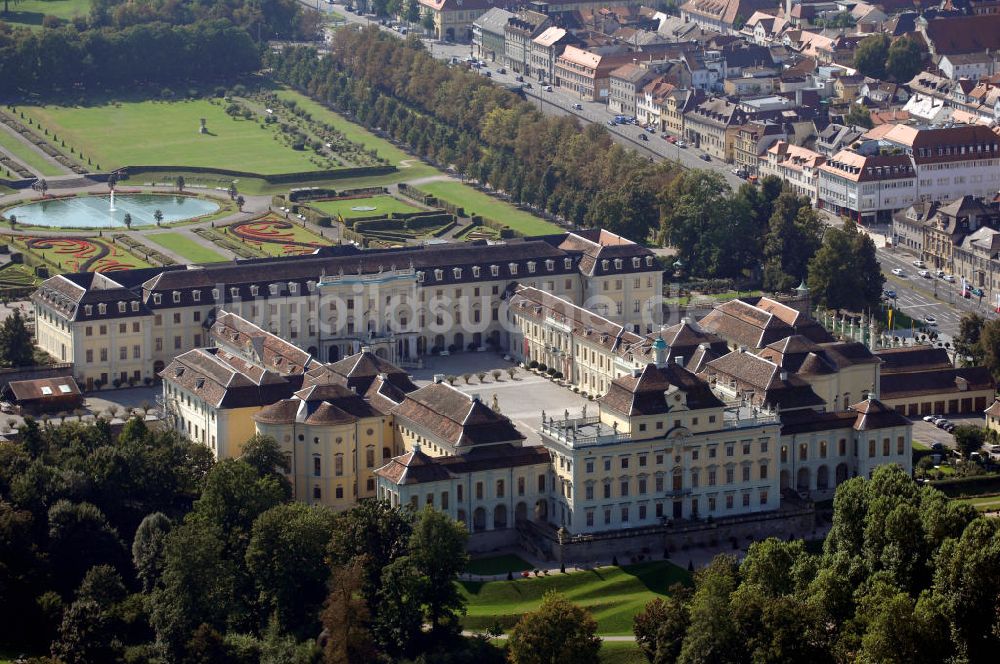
(112, 208)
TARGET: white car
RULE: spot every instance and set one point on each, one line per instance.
(930, 320)
(918, 263)
(925, 274)
(896, 271)
(929, 418)
(950, 278)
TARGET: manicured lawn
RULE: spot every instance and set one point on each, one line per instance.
(984, 503)
(166, 133)
(621, 652)
(22, 153)
(182, 244)
(273, 236)
(14, 275)
(31, 12)
(498, 565)
(613, 594)
(409, 166)
(382, 205)
(476, 202)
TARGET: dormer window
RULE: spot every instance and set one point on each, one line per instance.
(438, 275)
(420, 277)
(550, 265)
(102, 308)
(293, 288)
(121, 307)
(215, 293)
(457, 271)
(135, 305)
(568, 263)
(605, 264)
(196, 295)
(513, 268)
(476, 270)
(531, 267)
(254, 289)
(176, 296)
(495, 270)
(636, 262)
(618, 263)
(311, 285)
(157, 298)
(234, 291)
(273, 288)
(88, 310)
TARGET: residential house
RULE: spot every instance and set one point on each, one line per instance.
(546, 48)
(752, 141)
(488, 35)
(836, 137)
(798, 167)
(712, 126)
(586, 73)
(519, 32)
(725, 16)
(973, 66)
(626, 84)
(649, 103)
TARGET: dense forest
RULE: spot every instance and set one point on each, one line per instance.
(140, 548)
(906, 576)
(120, 45)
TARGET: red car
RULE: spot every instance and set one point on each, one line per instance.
(672, 139)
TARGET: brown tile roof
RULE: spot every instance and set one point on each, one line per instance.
(358, 372)
(951, 382)
(43, 389)
(873, 414)
(538, 305)
(913, 358)
(743, 324)
(808, 421)
(220, 380)
(280, 412)
(231, 331)
(964, 34)
(645, 394)
(994, 409)
(455, 418)
(415, 467)
(384, 396)
(764, 379)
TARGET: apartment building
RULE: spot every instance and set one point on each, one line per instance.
(712, 126)
(626, 84)
(546, 48)
(488, 39)
(796, 166)
(587, 73)
(752, 141)
(519, 32)
(403, 303)
(866, 188)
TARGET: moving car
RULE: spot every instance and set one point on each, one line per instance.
(548, 88)
(978, 292)
(502, 70)
(918, 263)
(681, 144)
(930, 418)
(930, 320)
(643, 137)
(704, 157)
(925, 274)
(519, 78)
(950, 278)
(578, 107)
(891, 294)
(898, 272)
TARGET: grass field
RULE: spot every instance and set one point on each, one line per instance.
(166, 133)
(21, 152)
(182, 244)
(621, 652)
(613, 594)
(476, 202)
(31, 12)
(984, 503)
(410, 168)
(382, 205)
(497, 565)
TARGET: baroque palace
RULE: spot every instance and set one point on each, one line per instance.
(741, 418)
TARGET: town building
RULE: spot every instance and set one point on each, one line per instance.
(587, 73)
(488, 39)
(519, 32)
(725, 16)
(712, 126)
(921, 380)
(546, 48)
(796, 166)
(40, 396)
(403, 303)
(866, 188)
(626, 85)
(752, 142)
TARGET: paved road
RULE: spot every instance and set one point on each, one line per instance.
(917, 297)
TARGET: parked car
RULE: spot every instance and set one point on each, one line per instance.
(502, 70)
(578, 107)
(918, 263)
(949, 427)
(898, 272)
(978, 292)
(930, 418)
(925, 274)
(612, 123)
(930, 320)
(487, 73)
(940, 273)
(891, 294)
(643, 137)
(704, 157)
(548, 88)
(950, 278)
(672, 139)
(519, 78)
(942, 423)
(651, 129)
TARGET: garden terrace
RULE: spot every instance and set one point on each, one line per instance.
(273, 236)
(75, 254)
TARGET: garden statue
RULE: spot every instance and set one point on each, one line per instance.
(202, 129)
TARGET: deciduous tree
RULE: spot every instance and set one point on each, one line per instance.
(559, 631)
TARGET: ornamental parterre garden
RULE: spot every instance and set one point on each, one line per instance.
(274, 236)
(77, 254)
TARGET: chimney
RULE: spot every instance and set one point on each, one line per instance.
(475, 397)
(438, 378)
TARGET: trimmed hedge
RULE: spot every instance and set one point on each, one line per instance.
(968, 486)
(277, 178)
